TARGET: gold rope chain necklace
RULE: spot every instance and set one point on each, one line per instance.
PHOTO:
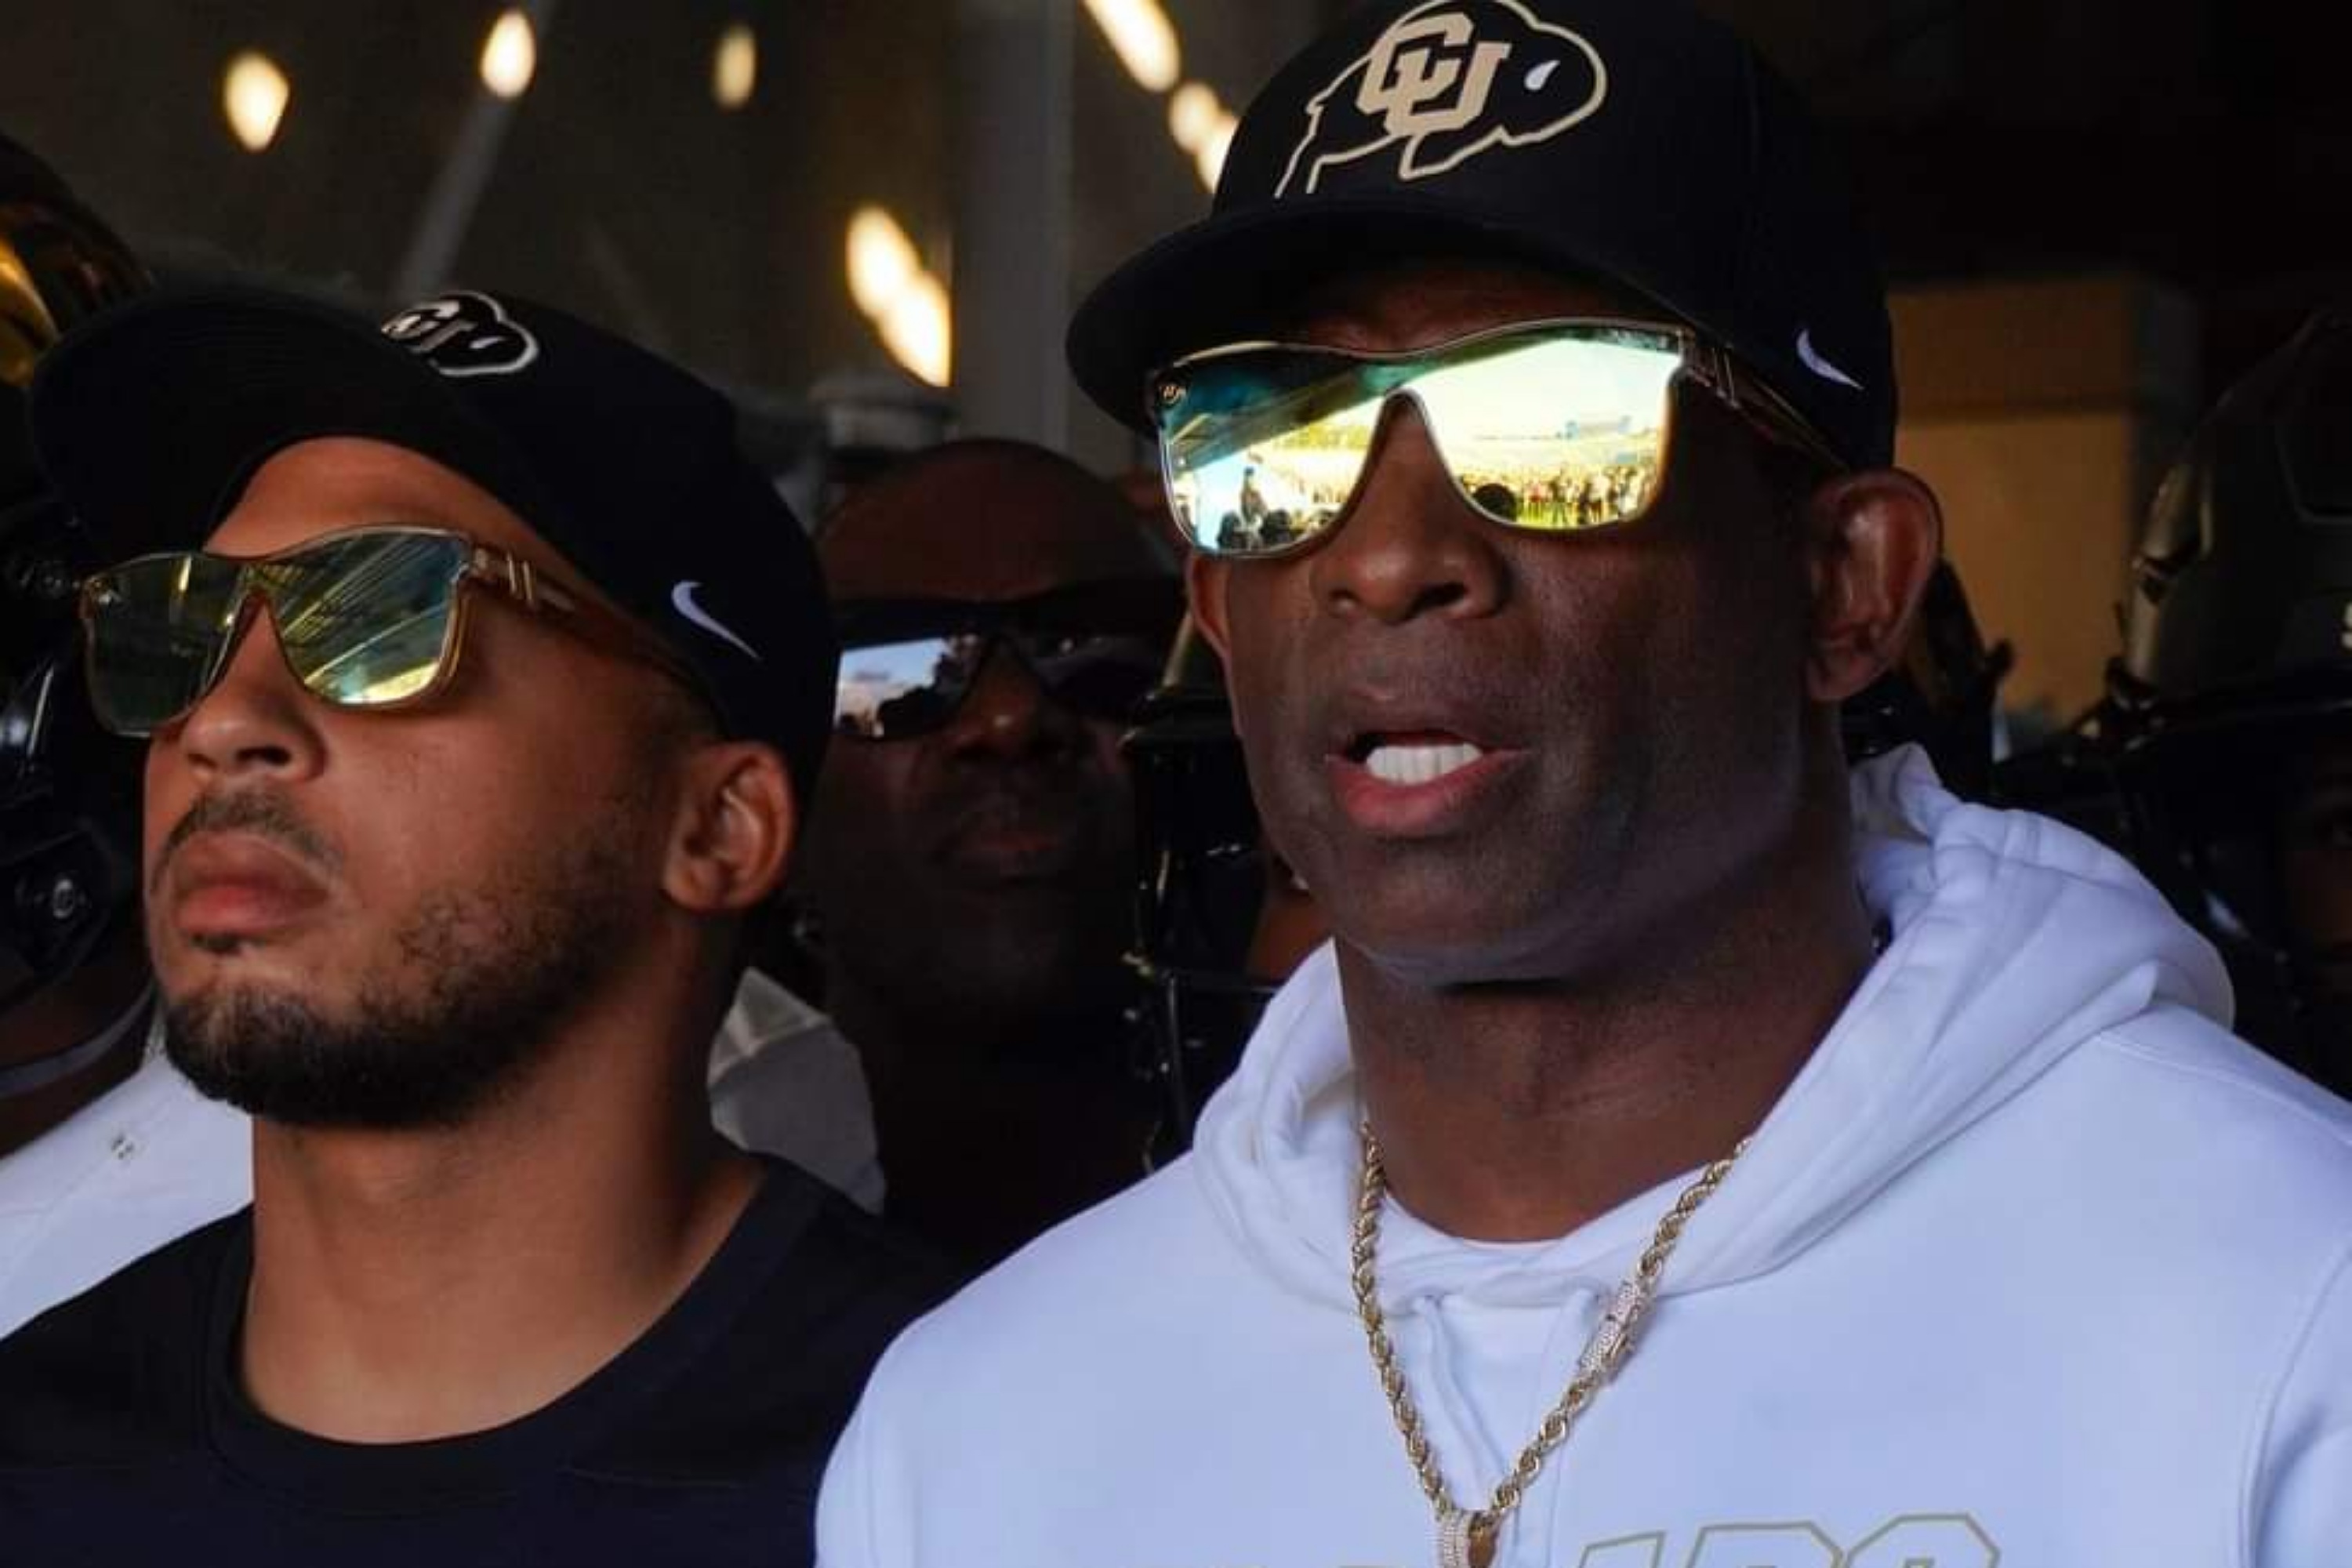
(1466, 1539)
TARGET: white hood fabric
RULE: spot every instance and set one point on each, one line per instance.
(143, 1164)
(2033, 1263)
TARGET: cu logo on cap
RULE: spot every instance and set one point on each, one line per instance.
(463, 333)
(1445, 82)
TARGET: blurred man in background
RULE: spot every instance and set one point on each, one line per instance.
(2229, 720)
(969, 871)
(105, 1152)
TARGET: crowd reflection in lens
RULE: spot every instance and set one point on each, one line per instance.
(1280, 503)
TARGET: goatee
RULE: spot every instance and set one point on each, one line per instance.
(482, 982)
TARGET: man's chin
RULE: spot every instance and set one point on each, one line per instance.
(1051, 857)
(280, 1056)
(1466, 935)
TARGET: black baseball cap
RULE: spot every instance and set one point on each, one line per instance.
(1629, 140)
(151, 418)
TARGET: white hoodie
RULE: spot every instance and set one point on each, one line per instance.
(2033, 1264)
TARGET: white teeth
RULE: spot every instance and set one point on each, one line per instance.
(1419, 764)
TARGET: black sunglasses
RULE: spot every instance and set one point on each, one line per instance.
(907, 665)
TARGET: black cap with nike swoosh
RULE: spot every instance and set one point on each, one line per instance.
(1630, 141)
(150, 417)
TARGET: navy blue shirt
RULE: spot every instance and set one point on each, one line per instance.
(125, 1438)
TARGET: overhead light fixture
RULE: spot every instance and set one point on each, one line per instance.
(882, 259)
(1204, 127)
(1193, 113)
(254, 94)
(915, 330)
(907, 306)
(510, 55)
(1209, 159)
(735, 66)
(1143, 38)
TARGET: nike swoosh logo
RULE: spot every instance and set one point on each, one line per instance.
(681, 599)
(1820, 366)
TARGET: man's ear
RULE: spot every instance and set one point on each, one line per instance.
(1205, 576)
(734, 829)
(1872, 540)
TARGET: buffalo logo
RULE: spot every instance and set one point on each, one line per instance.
(1448, 80)
(463, 333)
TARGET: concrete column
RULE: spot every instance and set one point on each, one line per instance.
(457, 190)
(1013, 218)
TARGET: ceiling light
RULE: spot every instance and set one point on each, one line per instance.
(1209, 159)
(882, 259)
(510, 55)
(915, 330)
(735, 67)
(907, 306)
(1192, 114)
(254, 93)
(1141, 36)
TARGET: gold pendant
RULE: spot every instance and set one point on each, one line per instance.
(1463, 1541)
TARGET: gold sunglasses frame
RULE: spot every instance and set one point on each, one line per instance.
(1705, 364)
(514, 580)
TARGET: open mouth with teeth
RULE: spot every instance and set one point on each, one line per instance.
(1416, 759)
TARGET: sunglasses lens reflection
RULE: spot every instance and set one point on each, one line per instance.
(1556, 430)
(156, 630)
(1557, 435)
(1261, 448)
(363, 620)
(890, 690)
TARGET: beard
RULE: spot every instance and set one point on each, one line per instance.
(483, 980)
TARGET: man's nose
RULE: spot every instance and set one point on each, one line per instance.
(1008, 715)
(1408, 545)
(257, 719)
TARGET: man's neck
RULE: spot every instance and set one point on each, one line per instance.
(415, 1285)
(1517, 1112)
